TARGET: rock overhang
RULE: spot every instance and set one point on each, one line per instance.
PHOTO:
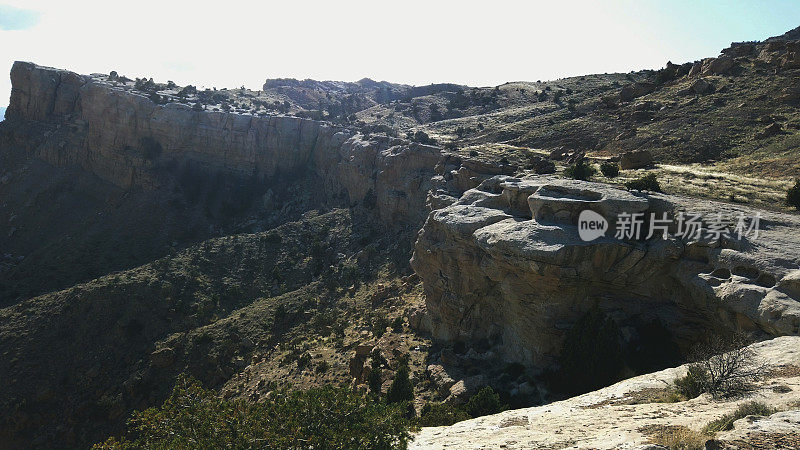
(510, 246)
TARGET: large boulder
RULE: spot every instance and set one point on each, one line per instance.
(635, 159)
(634, 90)
(718, 66)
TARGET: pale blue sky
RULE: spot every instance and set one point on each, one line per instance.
(414, 41)
(13, 19)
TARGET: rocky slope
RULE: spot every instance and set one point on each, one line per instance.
(240, 313)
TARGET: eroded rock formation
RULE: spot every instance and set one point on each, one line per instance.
(505, 263)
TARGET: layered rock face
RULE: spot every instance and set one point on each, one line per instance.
(505, 264)
(122, 136)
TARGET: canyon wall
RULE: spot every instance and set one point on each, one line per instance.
(122, 136)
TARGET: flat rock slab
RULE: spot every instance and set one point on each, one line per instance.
(603, 420)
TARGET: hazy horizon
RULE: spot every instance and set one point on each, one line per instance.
(412, 43)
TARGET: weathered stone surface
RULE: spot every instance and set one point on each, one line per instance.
(631, 91)
(700, 86)
(163, 357)
(608, 419)
(718, 66)
(782, 427)
(635, 159)
(770, 130)
(505, 263)
(440, 378)
(462, 390)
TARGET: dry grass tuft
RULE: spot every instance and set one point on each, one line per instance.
(676, 437)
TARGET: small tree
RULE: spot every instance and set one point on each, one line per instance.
(793, 195)
(401, 389)
(485, 402)
(375, 380)
(440, 414)
(693, 383)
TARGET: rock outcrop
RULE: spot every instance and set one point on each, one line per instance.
(622, 417)
(123, 137)
(505, 263)
(636, 159)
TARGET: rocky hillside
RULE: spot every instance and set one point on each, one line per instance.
(310, 232)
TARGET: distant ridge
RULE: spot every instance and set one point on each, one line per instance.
(791, 35)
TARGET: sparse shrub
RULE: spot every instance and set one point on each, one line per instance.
(377, 358)
(273, 237)
(581, 170)
(379, 325)
(397, 324)
(303, 361)
(747, 409)
(609, 169)
(693, 383)
(730, 366)
(793, 195)
(158, 99)
(422, 137)
(327, 417)
(440, 414)
(645, 183)
(322, 367)
(483, 403)
(679, 438)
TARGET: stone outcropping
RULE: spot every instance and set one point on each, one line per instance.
(505, 263)
(123, 137)
(616, 417)
(636, 159)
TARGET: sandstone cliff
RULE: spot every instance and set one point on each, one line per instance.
(123, 137)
